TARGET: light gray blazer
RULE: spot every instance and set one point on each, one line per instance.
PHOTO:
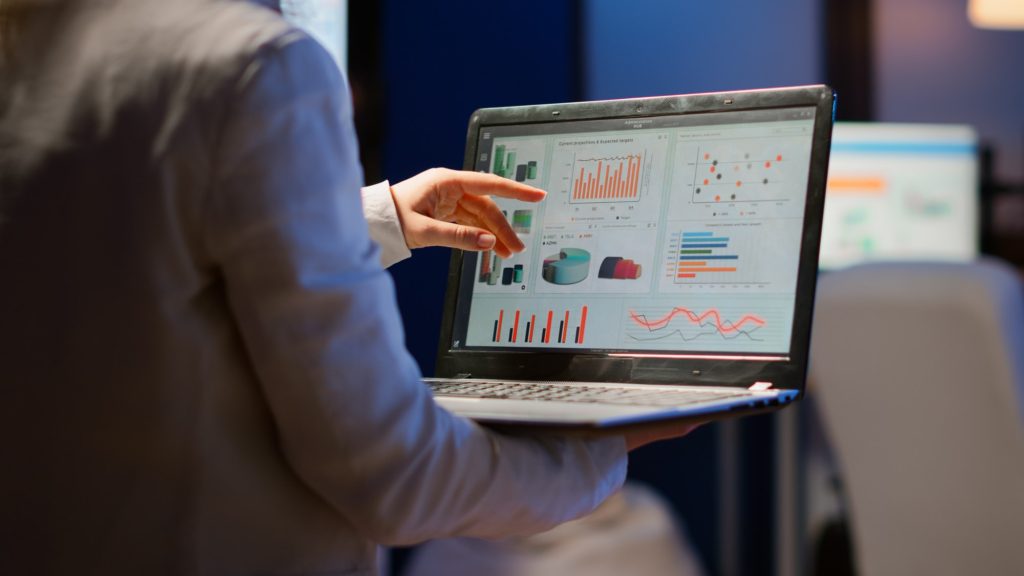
(201, 362)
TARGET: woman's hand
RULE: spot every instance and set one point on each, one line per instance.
(441, 207)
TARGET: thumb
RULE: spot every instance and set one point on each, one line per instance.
(439, 233)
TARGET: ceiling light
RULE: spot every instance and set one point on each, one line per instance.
(996, 14)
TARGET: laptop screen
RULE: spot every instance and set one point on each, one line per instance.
(664, 234)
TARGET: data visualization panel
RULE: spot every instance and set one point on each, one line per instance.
(710, 323)
(519, 159)
(676, 234)
(741, 172)
(606, 178)
(730, 256)
(901, 191)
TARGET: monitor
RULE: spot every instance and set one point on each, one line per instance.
(679, 232)
(901, 192)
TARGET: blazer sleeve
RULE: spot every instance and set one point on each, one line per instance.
(317, 313)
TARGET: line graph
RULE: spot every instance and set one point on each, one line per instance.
(709, 323)
(711, 319)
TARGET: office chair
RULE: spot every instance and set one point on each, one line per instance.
(918, 371)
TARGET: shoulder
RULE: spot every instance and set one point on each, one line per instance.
(195, 48)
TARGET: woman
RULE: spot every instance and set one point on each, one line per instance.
(203, 364)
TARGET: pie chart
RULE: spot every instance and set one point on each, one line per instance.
(618, 268)
(569, 266)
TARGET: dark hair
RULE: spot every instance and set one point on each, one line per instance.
(14, 15)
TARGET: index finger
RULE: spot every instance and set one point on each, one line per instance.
(483, 184)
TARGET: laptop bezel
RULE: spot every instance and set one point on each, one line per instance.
(708, 369)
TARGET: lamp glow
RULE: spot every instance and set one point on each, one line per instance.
(996, 14)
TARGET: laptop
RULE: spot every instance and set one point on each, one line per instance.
(668, 274)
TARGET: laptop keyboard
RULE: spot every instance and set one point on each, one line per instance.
(577, 393)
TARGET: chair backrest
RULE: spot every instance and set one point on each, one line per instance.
(917, 370)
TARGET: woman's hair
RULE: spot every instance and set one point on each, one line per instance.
(14, 16)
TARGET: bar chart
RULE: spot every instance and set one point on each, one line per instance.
(610, 179)
(701, 256)
(514, 326)
(506, 166)
(492, 270)
(744, 256)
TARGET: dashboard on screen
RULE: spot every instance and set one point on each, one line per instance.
(901, 192)
(672, 233)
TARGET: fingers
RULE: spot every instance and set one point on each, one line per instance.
(438, 233)
(433, 198)
(482, 211)
(636, 439)
(482, 184)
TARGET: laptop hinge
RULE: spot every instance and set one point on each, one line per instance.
(760, 386)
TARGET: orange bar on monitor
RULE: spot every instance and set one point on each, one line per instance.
(565, 330)
(501, 317)
(624, 178)
(533, 327)
(515, 327)
(547, 332)
(707, 269)
(865, 186)
(633, 180)
(583, 324)
(686, 275)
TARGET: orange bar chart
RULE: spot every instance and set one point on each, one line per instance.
(607, 179)
(556, 329)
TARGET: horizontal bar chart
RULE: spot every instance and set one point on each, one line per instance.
(698, 254)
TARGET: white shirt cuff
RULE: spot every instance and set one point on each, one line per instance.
(385, 228)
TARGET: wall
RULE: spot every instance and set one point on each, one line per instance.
(932, 65)
(441, 61)
(652, 47)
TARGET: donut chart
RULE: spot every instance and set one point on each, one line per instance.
(619, 268)
(569, 266)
